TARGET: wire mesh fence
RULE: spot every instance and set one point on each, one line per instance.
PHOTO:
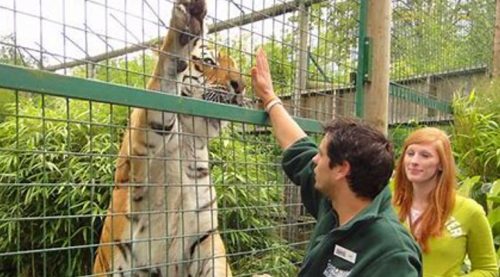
(59, 158)
(439, 48)
(61, 136)
(60, 146)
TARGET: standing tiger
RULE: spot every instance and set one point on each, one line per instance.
(162, 219)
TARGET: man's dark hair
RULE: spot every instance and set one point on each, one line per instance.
(367, 150)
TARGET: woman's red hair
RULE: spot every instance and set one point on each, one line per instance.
(442, 197)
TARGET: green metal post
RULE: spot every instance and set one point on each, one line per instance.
(362, 58)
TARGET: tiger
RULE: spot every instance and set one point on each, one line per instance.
(162, 219)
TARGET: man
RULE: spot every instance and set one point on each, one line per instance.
(344, 186)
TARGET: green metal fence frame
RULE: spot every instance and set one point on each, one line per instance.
(32, 80)
(412, 96)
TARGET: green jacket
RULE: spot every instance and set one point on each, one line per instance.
(373, 243)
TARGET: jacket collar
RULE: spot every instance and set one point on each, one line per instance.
(380, 204)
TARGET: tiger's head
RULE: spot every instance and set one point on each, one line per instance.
(213, 77)
(210, 76)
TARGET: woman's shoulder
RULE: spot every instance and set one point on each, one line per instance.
(466, 206)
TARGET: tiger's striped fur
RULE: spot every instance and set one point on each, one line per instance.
(162, 220)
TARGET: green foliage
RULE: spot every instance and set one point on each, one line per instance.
(6, 97)
(247, 177)
(281, 65)
(11, 55)
(476, 132)
(398, 135)
(337, 40)
(476, 144)
(427, 37)
(54, 163)
(279, 260)
(133, 72)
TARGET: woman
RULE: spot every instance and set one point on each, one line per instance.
(446, 226)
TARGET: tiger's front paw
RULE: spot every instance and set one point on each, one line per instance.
(187, 19)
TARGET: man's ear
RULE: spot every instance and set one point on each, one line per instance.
(344, 169)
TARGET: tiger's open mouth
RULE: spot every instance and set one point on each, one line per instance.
(220, 94)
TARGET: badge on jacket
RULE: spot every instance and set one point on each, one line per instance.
(344, 253)
(333, 271)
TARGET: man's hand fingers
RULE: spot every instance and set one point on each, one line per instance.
(261, 59)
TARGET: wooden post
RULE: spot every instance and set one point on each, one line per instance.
(496, 44)
(377, 88)
(302, 55)
(91, 70)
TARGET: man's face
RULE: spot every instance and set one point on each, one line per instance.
(323, 173)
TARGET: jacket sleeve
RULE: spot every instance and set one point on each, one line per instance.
(298, 166)
(480, 247)
(396, 264)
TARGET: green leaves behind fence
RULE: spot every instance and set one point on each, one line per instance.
(56, 171)
(250, 187)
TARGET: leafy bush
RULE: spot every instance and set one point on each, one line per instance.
(249, 183)
(56, 171)
(476, 132)
(6, 97)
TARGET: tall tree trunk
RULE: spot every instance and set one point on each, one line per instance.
(496, 44)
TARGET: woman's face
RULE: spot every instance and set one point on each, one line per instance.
(421, 163)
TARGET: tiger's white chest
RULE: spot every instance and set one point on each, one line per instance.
(178, 208)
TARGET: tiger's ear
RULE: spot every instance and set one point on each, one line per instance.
(222, 55)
